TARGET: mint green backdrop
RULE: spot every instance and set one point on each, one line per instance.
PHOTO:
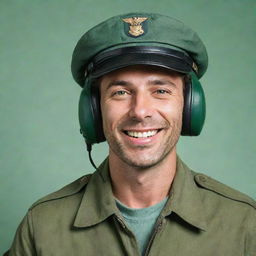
(41, 148)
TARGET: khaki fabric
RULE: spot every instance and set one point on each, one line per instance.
(201, 218)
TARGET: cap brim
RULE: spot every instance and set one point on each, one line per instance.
(111, 60)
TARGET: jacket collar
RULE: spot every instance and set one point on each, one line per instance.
(185, 199)
(98, 202)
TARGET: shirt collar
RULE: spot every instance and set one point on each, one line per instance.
(98, 202)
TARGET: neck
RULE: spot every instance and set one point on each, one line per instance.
(140, 188)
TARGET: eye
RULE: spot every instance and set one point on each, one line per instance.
(161, 91)
(120, 93)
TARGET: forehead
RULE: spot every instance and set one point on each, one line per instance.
(132, 73)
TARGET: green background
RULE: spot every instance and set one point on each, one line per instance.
(41, 148)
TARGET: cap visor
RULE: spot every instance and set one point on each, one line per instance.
(109, 61)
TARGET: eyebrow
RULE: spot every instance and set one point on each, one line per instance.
(162, 82)
(118, 83)
(150, 82)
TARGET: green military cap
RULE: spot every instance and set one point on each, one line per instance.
(138, 38)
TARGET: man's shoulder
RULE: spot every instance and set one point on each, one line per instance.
(69, 190)
(220, 190)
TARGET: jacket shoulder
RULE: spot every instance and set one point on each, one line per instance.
(221, 189)
(66, 191)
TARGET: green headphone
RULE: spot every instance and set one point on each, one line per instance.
(90, 113)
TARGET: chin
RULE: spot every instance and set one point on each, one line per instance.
(145, 162)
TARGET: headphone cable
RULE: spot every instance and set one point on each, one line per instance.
(89, 149)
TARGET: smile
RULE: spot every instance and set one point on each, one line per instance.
(136, 134)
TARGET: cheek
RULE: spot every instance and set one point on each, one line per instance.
(173, 110)
(110, 115)
(180, 105)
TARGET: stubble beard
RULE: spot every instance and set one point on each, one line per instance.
(119, 149)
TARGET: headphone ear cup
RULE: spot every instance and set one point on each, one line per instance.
(194, 107)
(90, 115)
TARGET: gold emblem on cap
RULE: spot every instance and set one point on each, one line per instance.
(135, 25)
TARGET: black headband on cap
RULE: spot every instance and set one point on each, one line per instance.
(111, 60)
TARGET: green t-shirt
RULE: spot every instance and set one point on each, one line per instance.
(141, 221)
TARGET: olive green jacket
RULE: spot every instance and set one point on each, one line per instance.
(201, 218)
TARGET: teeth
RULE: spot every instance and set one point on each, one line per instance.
(142, 134)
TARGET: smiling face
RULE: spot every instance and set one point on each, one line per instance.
(142, 114)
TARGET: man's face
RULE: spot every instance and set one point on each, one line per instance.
(142, 113)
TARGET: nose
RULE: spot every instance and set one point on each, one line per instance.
(141, 106)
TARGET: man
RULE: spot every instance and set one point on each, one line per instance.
(139, 74)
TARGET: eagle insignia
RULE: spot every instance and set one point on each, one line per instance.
(135, 25)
